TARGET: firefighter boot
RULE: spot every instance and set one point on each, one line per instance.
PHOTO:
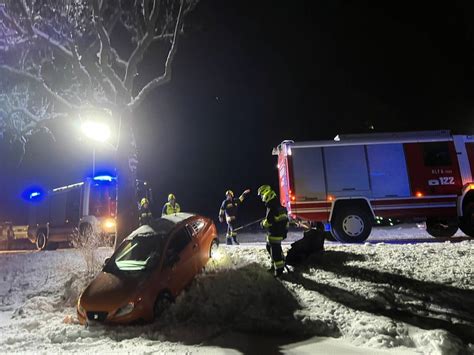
(279, 272)
(234, 238)
(229, 240)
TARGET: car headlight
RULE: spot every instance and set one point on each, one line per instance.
(109, 223)
(125, 309)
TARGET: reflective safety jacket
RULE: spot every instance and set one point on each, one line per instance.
(168, 208)
(229, 207)
(145, 216)
(276, 221)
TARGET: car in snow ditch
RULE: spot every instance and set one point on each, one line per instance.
(148, 270)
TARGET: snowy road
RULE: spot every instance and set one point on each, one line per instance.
(370, 298)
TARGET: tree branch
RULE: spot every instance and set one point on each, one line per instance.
(93, 47)
(38, 81)
(105, 53)
(23, 110)
(166, 76)
(12, 22)
(142, 46)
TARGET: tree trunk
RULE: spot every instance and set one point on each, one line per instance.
(127, 208)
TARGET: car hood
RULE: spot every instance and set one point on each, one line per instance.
(107, 292)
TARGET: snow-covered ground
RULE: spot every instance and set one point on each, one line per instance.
(370, 298)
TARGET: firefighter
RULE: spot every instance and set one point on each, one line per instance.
(276, 223)
(171, 207)
(145, 216)
(228, 210)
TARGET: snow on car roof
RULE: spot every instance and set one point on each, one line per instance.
(145, 229)
(178, 217)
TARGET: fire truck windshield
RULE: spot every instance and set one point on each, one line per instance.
(102, 201)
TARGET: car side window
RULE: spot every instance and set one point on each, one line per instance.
(196, 226)
(180, 240)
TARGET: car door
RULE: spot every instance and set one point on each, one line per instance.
(180, 260)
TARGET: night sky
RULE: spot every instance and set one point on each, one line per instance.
(248, 75)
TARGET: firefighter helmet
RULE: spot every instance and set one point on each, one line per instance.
(266, 193)
(144, 201)
(171, 197)
(229, 192)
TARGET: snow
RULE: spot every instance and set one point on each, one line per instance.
(373, 298)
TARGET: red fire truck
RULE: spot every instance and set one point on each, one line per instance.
(353, 179)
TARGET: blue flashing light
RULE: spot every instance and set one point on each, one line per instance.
(104, 178)
(34, 194)
(327, 227)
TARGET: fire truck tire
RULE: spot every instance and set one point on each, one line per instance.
(466, 223)
(351, 224)
(41, 240)
(439, 228)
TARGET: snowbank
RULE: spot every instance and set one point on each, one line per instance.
(409, 298)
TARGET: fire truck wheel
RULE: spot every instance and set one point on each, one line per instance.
(41, 240)
(351, 224)
(439, 228)
(466, 223)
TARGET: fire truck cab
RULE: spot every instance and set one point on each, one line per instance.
(350, 180)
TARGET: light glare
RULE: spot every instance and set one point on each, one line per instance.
(97, 131)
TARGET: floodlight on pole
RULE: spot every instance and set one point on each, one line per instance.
(96, 130)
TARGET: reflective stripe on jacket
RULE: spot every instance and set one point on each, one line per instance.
(169, 209)
(276, 221)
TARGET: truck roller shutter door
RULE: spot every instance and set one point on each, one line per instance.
(388, 170)
(346, 171)
(308, 173)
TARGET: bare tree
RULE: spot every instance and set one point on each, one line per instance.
(59, 57)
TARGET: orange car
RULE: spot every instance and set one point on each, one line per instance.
(148, 270)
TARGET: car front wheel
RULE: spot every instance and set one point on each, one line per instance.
(162, 303)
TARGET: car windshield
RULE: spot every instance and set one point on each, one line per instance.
(139, 252)
(141, 249)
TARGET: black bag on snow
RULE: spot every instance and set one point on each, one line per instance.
(312, 242)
